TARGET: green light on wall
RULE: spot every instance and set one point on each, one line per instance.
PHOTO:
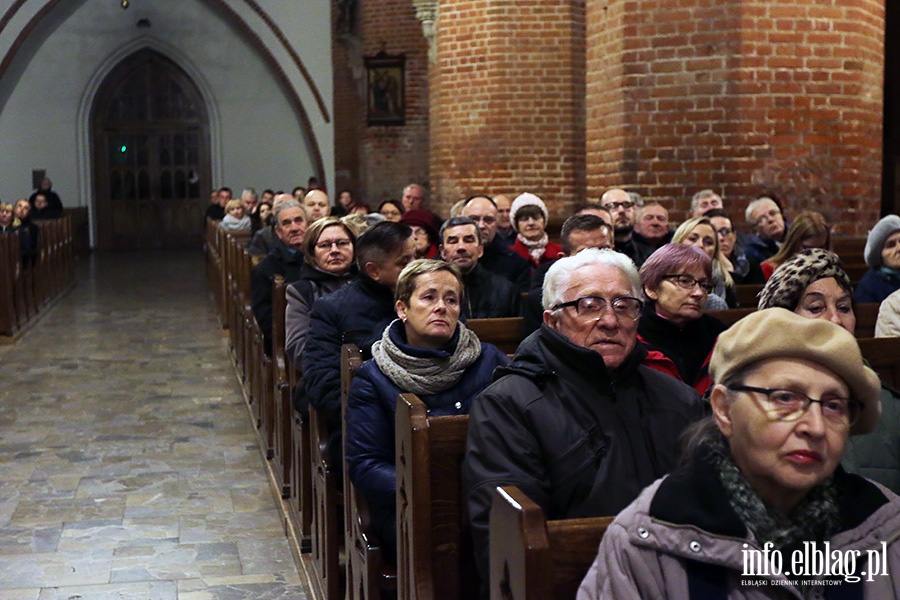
(123, 149)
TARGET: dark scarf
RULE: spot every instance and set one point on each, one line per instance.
(816, 518)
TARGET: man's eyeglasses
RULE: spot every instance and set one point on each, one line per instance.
(769, 216)
(611, 206)
(788, 405)
(724, 231)
(686, 282)
(592, 307)
(341, 244)
(486, 220)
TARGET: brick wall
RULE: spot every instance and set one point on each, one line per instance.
(392, 156)
(740, 96)
(507, 96)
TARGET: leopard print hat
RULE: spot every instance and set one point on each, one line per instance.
(787, 284)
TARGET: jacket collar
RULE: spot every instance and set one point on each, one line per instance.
(694, 496)
(547, 353)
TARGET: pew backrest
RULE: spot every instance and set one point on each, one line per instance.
(504, 333)
(434, 546)
(883, 355)
(533, 558)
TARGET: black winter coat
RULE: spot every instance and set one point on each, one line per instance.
(356, 314)
(283, 261)
(489, 296)
(578, 439)
(500, 259)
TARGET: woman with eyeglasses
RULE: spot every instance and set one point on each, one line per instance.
(761, 507)
(813, 284)
(743, 269)
(677, 280)
(328, 266)
(700, 232)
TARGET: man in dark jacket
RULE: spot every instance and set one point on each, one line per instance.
(356, 314)
(576, 422)
(624, 212)
(486, 295)
(498, 257)
(54, 206)
(285, 259)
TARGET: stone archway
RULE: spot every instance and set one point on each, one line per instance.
(151, 156)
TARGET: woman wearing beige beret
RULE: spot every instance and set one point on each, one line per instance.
(762, 508)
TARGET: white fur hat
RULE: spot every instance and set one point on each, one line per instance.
(526, 199)
(877, 237)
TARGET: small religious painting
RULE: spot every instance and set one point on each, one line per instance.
(386, 89)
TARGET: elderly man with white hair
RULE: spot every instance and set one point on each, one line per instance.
(576, 421)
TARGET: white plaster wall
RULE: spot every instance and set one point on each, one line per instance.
(257, 138)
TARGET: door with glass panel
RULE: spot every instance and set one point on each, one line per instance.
(151, 156)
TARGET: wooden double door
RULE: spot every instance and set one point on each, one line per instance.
(151, 156)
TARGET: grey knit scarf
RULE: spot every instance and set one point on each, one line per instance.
(816, 518)
(425, 375)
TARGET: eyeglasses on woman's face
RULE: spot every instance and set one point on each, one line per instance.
(688, 282)
(791, 405)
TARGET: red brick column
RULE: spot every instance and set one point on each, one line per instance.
(391, 156)
(741, 96)
(507, 98)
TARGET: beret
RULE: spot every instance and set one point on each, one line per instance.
(877, 237)
(421, 218)
(780, 333)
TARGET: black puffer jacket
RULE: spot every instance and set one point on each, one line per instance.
(489, 295)
(577, 439)
(283, 261)
(355, 314)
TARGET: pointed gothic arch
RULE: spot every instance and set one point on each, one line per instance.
(151, 155)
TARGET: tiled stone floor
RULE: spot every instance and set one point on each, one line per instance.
(128, 465)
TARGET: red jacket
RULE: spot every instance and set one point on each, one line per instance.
(551, 252)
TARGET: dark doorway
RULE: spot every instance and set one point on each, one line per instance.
(151, 156)
(890, 175)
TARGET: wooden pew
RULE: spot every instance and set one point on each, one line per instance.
(850, 248)
(505, 333)
(866, 317)
(747, 295)
(434, 546)
(10, 273)
(27, 290)
(533, 558)
(730, 316)
(883, 355)
(281, 406)
(301, 504)
(368, 576)
(327, 503)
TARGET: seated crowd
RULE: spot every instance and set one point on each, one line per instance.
(19, 218)
(625, 396)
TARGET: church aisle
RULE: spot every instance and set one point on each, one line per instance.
(128, 465)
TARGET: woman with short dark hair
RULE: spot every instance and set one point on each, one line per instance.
(426, 351)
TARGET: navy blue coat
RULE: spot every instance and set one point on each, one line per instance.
(372, 404)
(356, 314)
(875, 286)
